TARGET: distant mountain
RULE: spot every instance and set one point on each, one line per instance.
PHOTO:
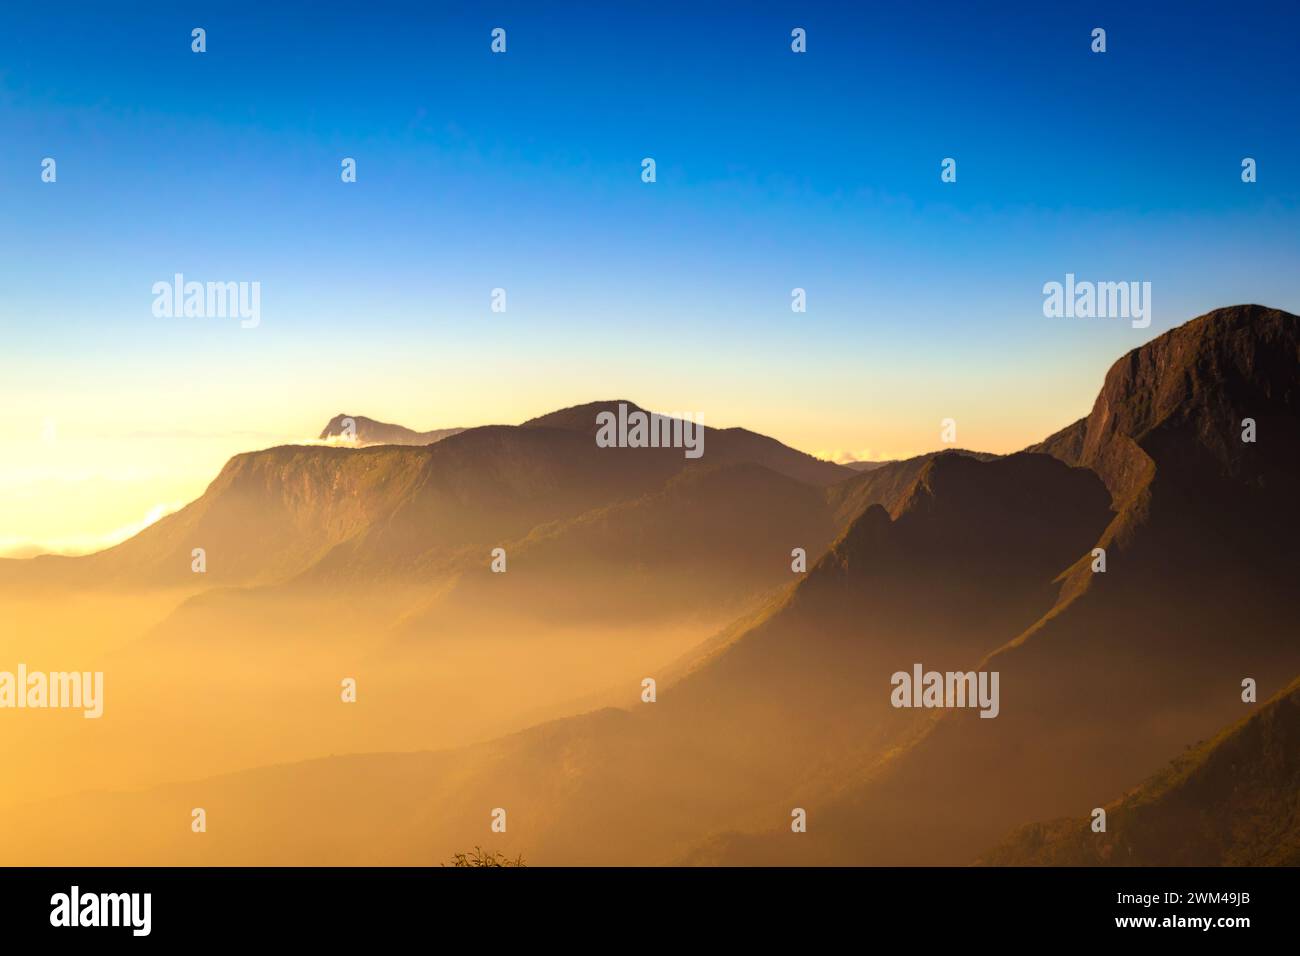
(397, 508)
(267, 516)
(367, 431)
(720, 444)
(1232, 801)
(273, 515)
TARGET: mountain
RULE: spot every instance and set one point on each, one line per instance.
(266, 516)
(885, 484)
(712, 539)
(776, 707)
(273, 515)
(366, 431)
(375, 562)
(951, 562)
(1170, 415)
(968, 555)
(720, 444)
(1130, 664)
(1231, 801)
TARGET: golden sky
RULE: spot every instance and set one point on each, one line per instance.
(90, 465)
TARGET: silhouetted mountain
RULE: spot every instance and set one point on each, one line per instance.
(266, 516)
(884, 485)
(273, 515)
(1130, 664)
(367, 431)
(1179, 401)
(729, 445)
(949, 562)
(1232, 801)
(968, 556)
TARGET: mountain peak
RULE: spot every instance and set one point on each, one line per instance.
(1181, 400)
(580, 418)
(720, 444)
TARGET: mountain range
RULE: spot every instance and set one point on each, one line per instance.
(772, 683)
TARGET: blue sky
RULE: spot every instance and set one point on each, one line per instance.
(522, 171)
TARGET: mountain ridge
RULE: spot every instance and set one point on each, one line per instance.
(368, 431)
(951, 562)
(1176, 507)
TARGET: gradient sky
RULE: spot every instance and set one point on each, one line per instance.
(522, 171)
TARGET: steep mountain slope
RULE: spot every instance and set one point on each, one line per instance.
(1232, 801)
(968, 556)
(367, 431)
(1133, 663)
(1179, 400)
(266, 516)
